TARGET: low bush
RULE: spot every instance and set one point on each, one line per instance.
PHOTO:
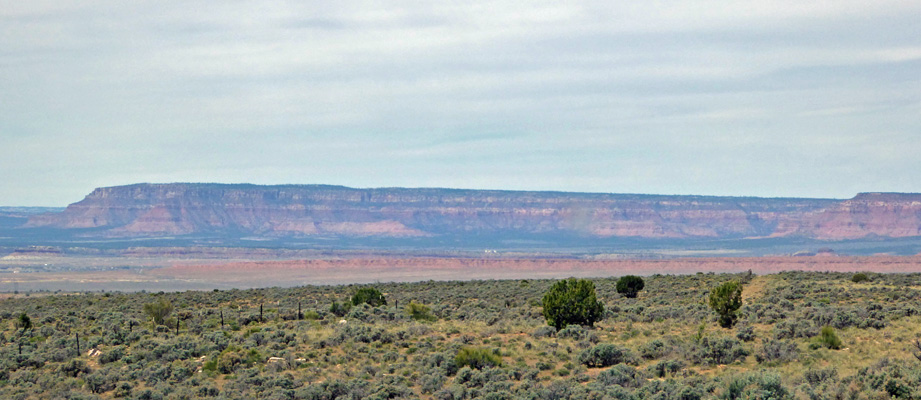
(630, 286)
(621, 375)
(756, 385)
(419, 312)
(575, 332)
(604, 355)
(544, 331)
(745, 333)
(817, 376)
(665, 367)
(653, 349)
(829, 339)
(776, 351)
(477, 358)
(714, 351)
(369, 296)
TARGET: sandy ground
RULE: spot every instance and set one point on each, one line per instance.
(211, 274)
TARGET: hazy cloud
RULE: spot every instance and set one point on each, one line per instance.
(781, 98)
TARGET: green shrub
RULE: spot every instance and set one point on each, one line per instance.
(860, 277)
(340, 310)
(746, 333)
(158, 310)
(756, 385)
(630, 285)
(477, 358)
(209, 366)
(620, 375)
(817, 376)
(715, 351)
(726, 299)
(653, 349)
(829, 339)
(572, 301)
(23, 322)
(544, 331)
(665, 367)
(604, 355)
(419, 312)
(369, 296)
(777, 351)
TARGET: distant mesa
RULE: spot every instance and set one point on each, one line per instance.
(33, 252)
(156, 210)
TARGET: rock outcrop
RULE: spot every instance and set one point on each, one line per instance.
(321, 210)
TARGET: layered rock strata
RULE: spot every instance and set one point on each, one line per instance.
(310, 210)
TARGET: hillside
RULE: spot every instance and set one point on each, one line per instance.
(664, 344)
(152, 210)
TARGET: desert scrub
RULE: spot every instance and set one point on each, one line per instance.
(721, 350)
(828, 338)
(382, 352)
(419, 312)
(756, 385)
(370, 296)
(621, 375)
(605, 355)
(776, 351)
(477, 358)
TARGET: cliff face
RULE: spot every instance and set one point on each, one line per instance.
(299, 210)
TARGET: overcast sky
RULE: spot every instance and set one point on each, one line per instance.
(765, 98)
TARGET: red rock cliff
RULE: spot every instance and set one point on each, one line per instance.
(298, 210)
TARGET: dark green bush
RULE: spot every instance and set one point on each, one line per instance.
(630, 285)
(340, 310)
(860, 277)
(665, 367)
(604, 355)
(23, 322)
(370, 296)
(726, 300)
(572, 301)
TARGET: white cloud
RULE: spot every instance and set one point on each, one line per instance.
(662, 96)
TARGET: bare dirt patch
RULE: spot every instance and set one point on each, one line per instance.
(299, 272)
(187, 274)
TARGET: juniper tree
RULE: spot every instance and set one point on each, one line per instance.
(572, 301)
(726, 299)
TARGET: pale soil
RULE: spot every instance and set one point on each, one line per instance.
(212, 273)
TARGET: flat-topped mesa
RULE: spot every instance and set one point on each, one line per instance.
(868, 215)
(324, 210)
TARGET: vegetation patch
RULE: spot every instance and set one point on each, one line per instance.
(473, 340)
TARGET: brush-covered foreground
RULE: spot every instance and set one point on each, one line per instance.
(473, 340)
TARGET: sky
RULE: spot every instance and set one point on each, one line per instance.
(762, 98)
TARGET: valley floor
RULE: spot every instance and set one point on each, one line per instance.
(665, 344)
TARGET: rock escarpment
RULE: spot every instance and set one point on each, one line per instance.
(312, 210)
